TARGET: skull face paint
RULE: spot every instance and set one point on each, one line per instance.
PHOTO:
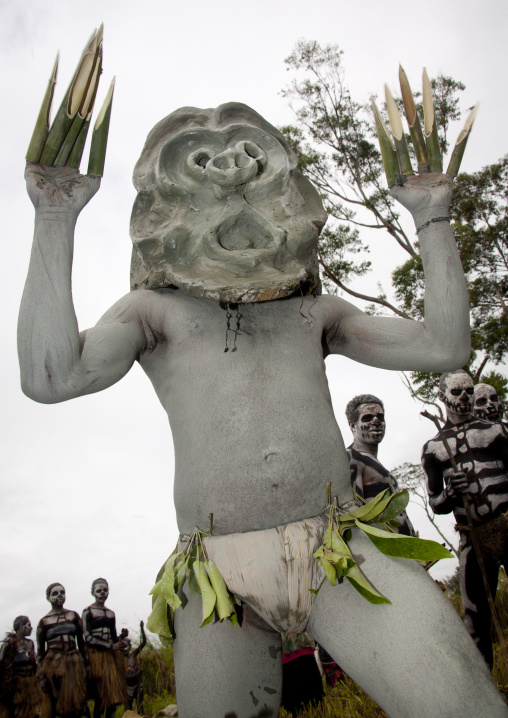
(57, 596)
(487, 404)
(457, 393)
(100, 592)
(222, 212)
(370, 426)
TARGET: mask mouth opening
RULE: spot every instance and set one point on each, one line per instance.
(240, 232)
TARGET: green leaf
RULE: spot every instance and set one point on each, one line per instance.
(207, 593)
(158, 619)
(333, 557)
(315, 591)
(396, 505)
(181, 571)
(208, 619)
(372, 508)
(327, 537)
(339, 545)
(404, 546)
(168, 590)
(156, 590)
(233, 618)
(357, 579)
(330, 572)
(225, 605)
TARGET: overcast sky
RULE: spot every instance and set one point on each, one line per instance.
(86, 487)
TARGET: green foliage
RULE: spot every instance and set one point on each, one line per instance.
(346, 699)
(334, 138)
(375, 519)
(192, 565)
(155, 703)
(158, 672)
(337, 149)
(412, 477)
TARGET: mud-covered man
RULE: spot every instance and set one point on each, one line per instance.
(480, 449)
(226, 320)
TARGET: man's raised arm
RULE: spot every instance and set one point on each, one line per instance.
(53, 365)
(442, 341)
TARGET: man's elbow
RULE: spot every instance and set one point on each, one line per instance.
(40, 394)
(44, 391)
(452, 356)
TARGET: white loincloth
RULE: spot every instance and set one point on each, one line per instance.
(272, 570)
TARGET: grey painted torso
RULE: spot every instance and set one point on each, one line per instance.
(255, 437)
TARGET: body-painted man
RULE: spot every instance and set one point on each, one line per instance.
(480, 449)
(105, 652)
(20, 691)
(133, 671)
(487, 404)
(226, 320)
(62, 655)
(366, 417)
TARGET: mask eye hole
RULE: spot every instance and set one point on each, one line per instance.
(481, 402)
(201, 159)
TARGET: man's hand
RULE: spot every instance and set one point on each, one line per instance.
(456, 484)
(426, 195)
(59, 187)
(432, 198)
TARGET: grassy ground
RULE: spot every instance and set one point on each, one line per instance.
(345, 700)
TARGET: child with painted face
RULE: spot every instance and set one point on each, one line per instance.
(108, 685)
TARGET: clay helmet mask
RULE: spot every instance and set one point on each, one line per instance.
(221, 211)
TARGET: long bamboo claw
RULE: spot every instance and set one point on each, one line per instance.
(41, 129)
(388, 152)
(413, 121)
(460, 145)
(430, 127)
(100, 136)
(398, 133)
(70, 104)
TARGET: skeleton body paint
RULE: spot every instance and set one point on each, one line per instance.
(223, 216)
(108, 685)
(369, 477)
(20, 691)
(62, 655)
(480, 449)
(134, 676)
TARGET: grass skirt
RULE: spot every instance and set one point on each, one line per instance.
(66, 671)
(108, 670)
(28, 697)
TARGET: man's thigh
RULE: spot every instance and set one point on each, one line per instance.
(414, 657)
(226, 672)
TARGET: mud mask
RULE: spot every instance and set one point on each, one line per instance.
(222, 212)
